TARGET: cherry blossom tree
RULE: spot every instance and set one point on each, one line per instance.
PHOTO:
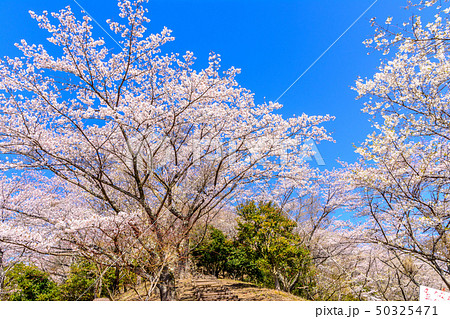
(140, 145)
(403, 178)
(13, 251)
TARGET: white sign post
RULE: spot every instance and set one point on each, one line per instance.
(431, 294)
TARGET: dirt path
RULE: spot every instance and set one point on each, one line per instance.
(213, 289)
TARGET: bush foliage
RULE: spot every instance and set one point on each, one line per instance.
(28, 283)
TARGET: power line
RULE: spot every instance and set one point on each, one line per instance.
(324, 52)
(90, 16)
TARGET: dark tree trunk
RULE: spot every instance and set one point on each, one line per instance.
(98, 286)
(2, 271)
(166, 285)
(276, 281)
(116, 281)
(166, 282)
(183, 263)
(184, 251)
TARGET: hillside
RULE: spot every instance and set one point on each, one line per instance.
(213, 289)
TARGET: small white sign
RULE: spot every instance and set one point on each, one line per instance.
(431, 294)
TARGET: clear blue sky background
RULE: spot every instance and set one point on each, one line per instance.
(273, 42)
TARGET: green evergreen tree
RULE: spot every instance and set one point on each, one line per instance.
(269, 235)
(219, 255)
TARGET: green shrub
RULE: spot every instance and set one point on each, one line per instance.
(27, 283)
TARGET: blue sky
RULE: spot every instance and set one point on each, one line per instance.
(273, 42)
